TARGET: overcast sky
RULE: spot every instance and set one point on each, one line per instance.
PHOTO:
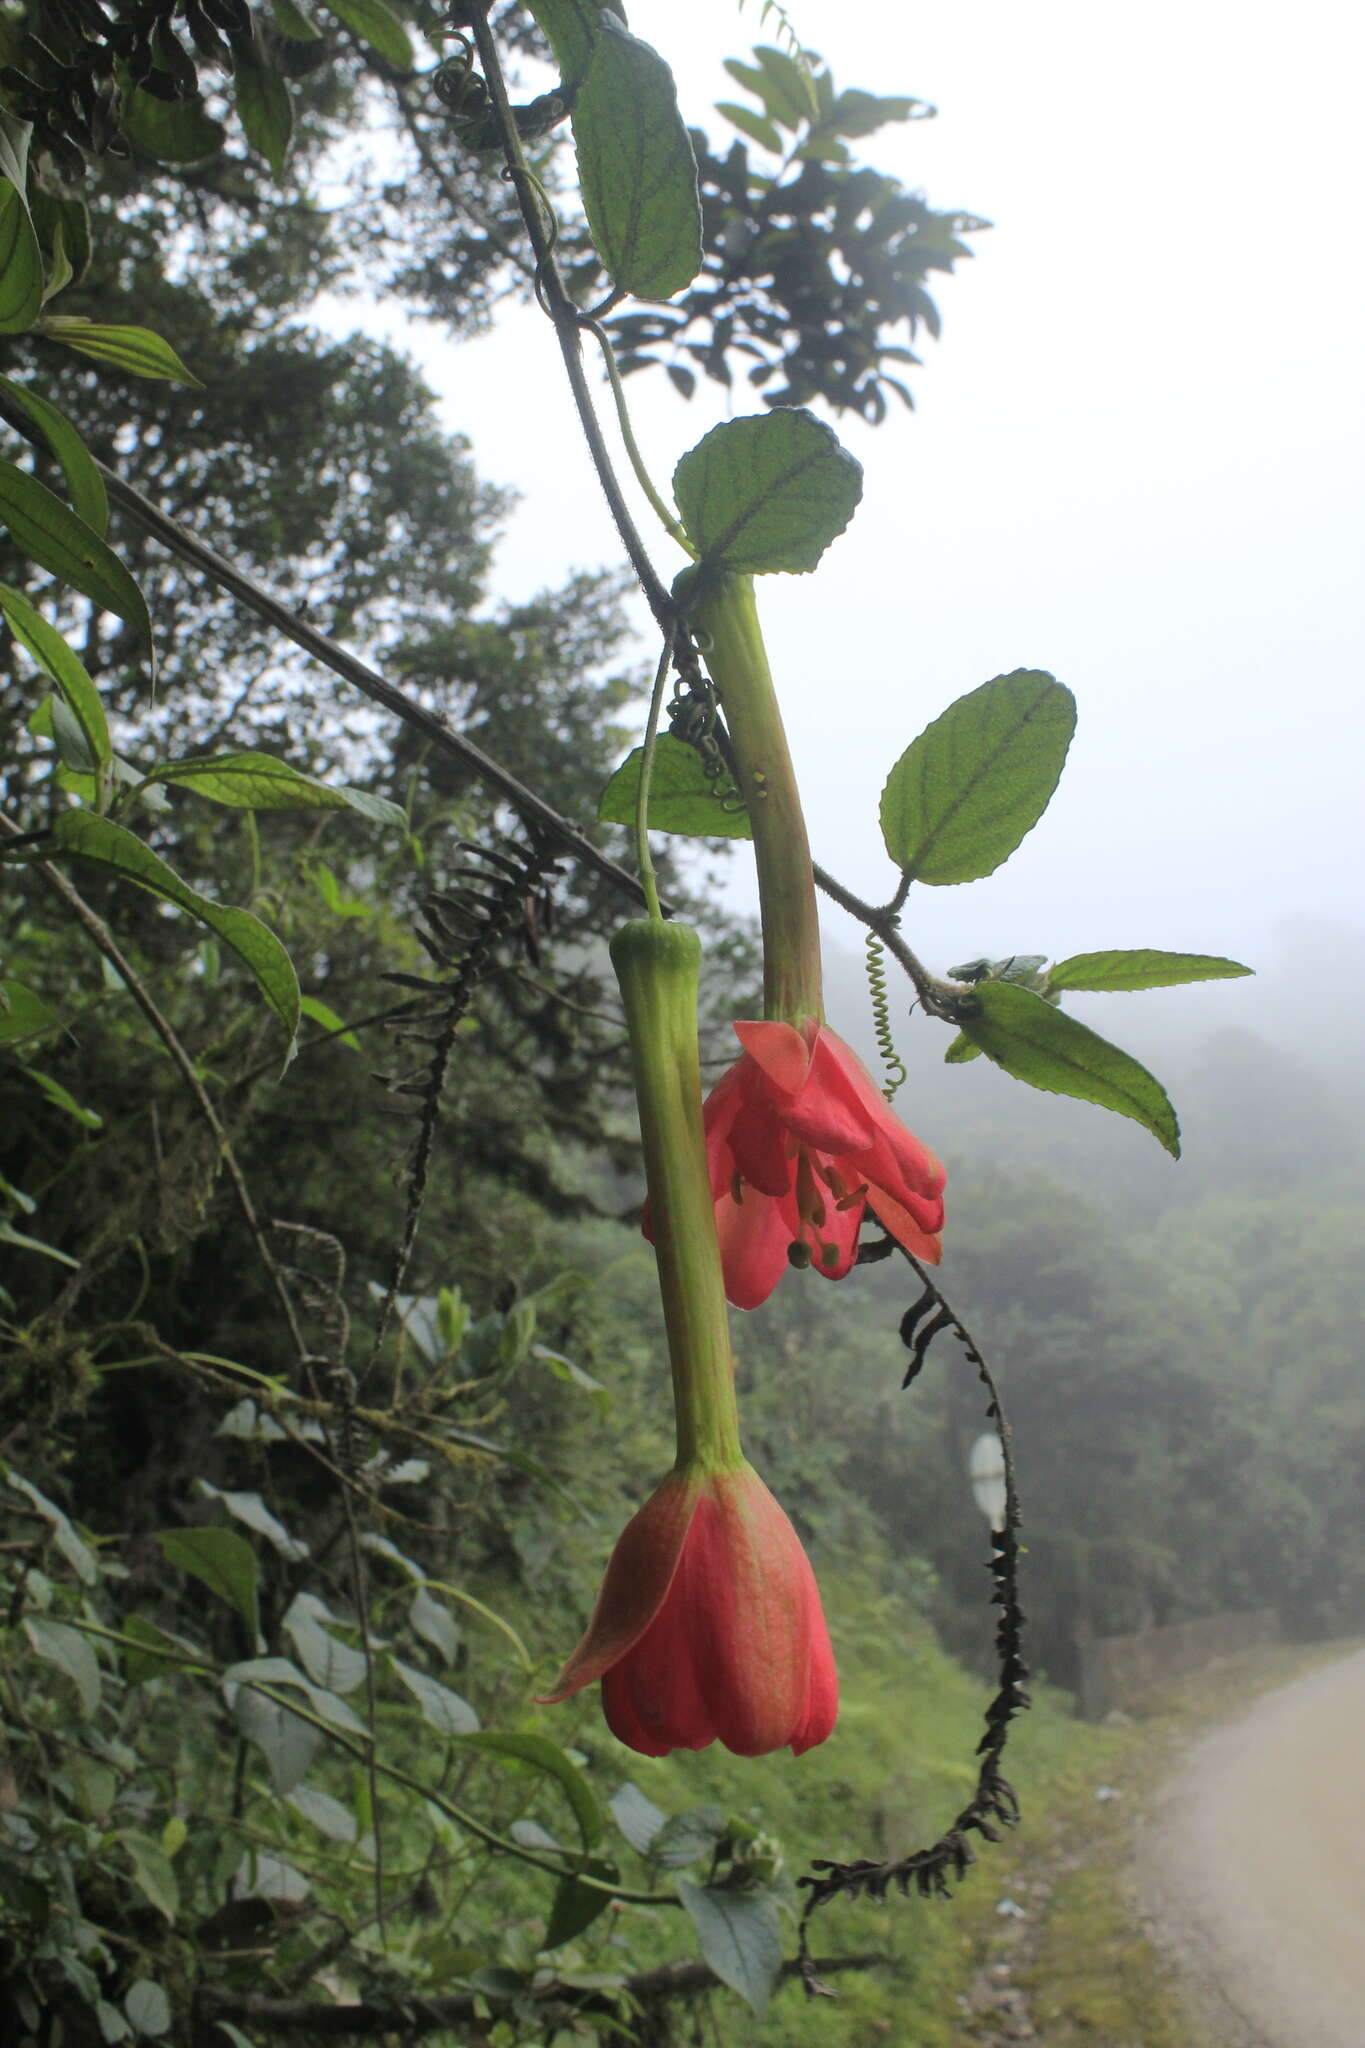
(1136, 459)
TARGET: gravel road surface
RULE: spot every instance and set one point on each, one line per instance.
(1253, 1869)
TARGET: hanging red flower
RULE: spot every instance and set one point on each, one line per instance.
(709, 1626)
(799, 1140)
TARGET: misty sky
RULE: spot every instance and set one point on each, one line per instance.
(1135, 460)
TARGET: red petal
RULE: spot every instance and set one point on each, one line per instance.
(779, 1049)
(896, 1158)
(906, 1228)
(822, 1704)
(758, 1145)
(754, 1235)
(638, 1577)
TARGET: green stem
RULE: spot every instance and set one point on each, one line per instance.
(722, 606)
(658, 967)
(671, 524)
(644, 858)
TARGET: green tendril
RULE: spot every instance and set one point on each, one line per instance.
(669, 520)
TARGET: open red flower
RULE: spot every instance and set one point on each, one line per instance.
(799, 1139)
(708, 1626)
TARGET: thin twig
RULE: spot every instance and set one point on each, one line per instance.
(941, 999)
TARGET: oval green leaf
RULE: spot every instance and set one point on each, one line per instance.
(169, 131)
(963, 795)
(636, 168)
(221, 1560)
(378, 26)
(21, 263)
(87, 837)
(62, 667)
(740, 1936)
(680, 797)
(135, 349)
(55, 537)
(1043, 1046)
(260, 782)
(1141, 968)
(89, 499)
(767, 493)
(264, 107)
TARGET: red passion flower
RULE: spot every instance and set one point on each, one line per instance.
(799, 1139)
(708, 1626)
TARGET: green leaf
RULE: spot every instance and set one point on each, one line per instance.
(378, 26)
(1140, 968)
(294, 23)
(64, 221)
(83, 480)
(23, 1014)
(548, 1757)
(789, 80)
(961, 1050)
(170, 131)
(576, 1905)
(112, 2025)
(221, 1560)
(62, 1098)
(252, 1512)
(86, 837)
(135, 349)
(59, 270)
(1043, 1046)
(638, 1818)
(764, 133)
(74, 1548)
(328, 1660)
(72, 1655)
(740, 1936)
(636, 168)
(571, 28)
(139, 1666)
(152, 1872)
(21, 263)
(963, 795)
(327, 1815)
(288, 1743)
(55, 537)
(264, 107)
(148, 2008)
(767, 493)
(686, 1836)
(321, 1013)
(15, 136)
(680, 797)
(776, 103)
(62, 667)
(278, 1671)
(261, 782)
(442, 1709)
(434, 1624)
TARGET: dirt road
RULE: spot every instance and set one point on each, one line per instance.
(1253, 1869)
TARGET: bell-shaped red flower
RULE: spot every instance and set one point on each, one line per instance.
(708, 1626)
(799, 1139)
